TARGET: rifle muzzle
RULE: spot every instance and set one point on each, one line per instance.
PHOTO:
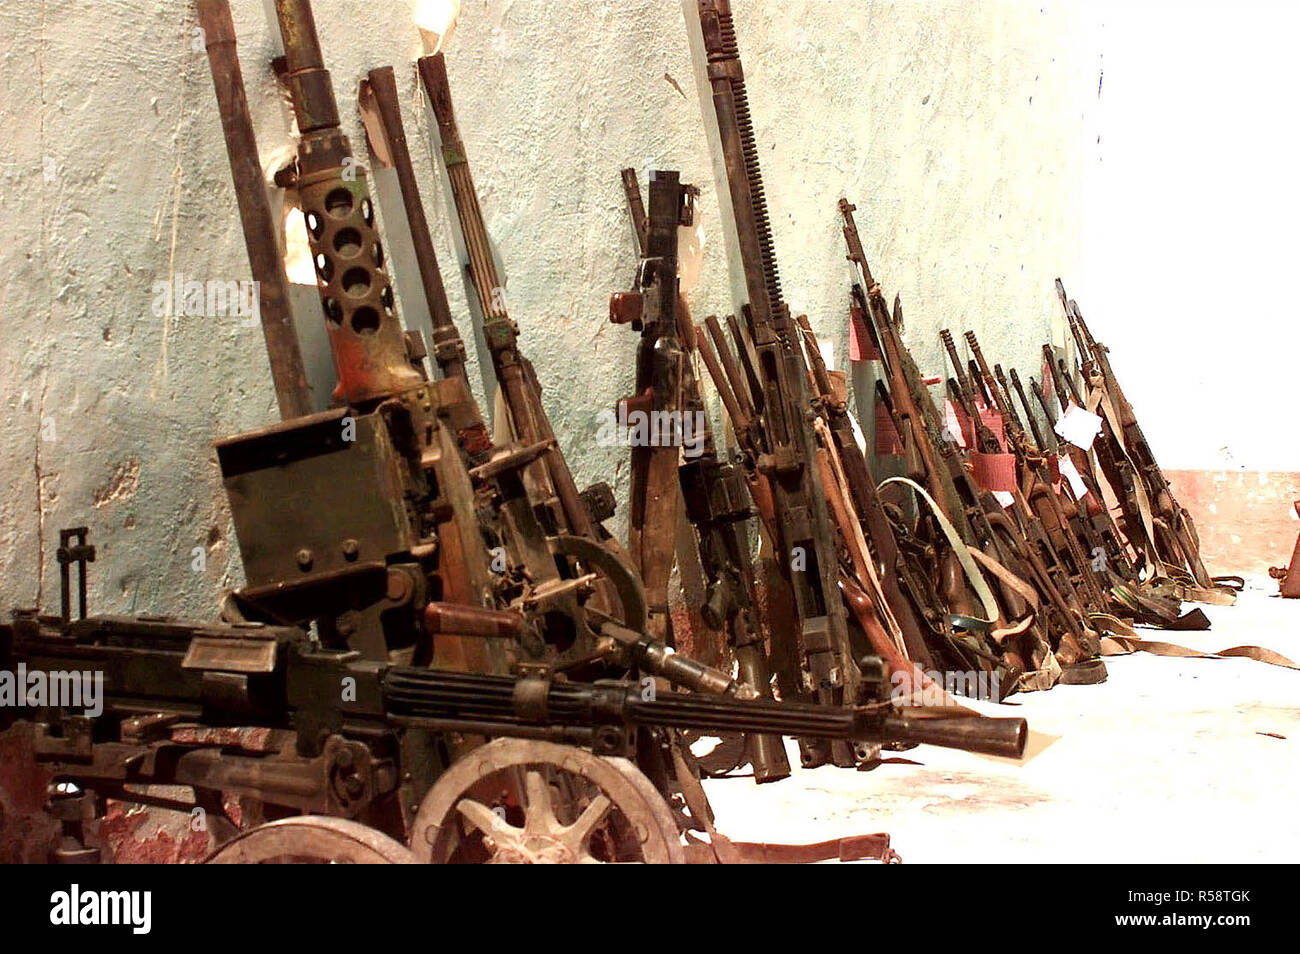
(1004, 737)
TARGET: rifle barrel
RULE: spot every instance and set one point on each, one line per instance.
(448, 348)
(288, 375)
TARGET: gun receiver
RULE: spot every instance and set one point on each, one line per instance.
(424, 697)
(653, 307)
(713, 491)
(1039, 437)
(787, 455)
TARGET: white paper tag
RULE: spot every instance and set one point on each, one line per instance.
(1004, 498)
(827, 349)
(858, 437)
(1070, 473)
(952, 425)
(1079, 427)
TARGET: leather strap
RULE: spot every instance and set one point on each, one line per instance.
(977, 581)
(722, 850)
(1014, 582)
(886, 612)
(1127, 641)
(852, 848)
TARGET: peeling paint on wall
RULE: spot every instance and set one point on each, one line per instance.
(122, 485)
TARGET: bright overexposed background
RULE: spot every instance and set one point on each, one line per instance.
(1191, 203)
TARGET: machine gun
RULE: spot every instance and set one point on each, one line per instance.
(783, 451)
(406, 602)
(269, 713)
(653, 415)
(713, 490)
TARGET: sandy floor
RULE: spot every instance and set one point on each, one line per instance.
(1167, 761)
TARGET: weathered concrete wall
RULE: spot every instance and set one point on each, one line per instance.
(956, 128)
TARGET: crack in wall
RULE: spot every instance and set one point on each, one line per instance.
(49, 313)
(161, 372)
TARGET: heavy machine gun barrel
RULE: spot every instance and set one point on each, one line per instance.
(422, 695)
(276, 677)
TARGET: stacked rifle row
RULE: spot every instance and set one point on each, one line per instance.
(976, 559)
(998, 549)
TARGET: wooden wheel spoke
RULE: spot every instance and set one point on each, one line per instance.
(487, 821)
(539, 814)
(576, 835)
(578, 808)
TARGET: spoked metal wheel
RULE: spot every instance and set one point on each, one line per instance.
(516, 801)
(311, 839)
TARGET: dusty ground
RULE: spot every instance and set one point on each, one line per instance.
(1167, 761)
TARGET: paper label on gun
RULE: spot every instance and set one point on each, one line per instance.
(1071, 474)
(1004, 498)
(1079, 427)
(954, 425)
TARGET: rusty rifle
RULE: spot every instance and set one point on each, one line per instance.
(788, 459)
(931, 460)
(514, 373)
(287, 372)
(1182, 542)
(713, 491)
